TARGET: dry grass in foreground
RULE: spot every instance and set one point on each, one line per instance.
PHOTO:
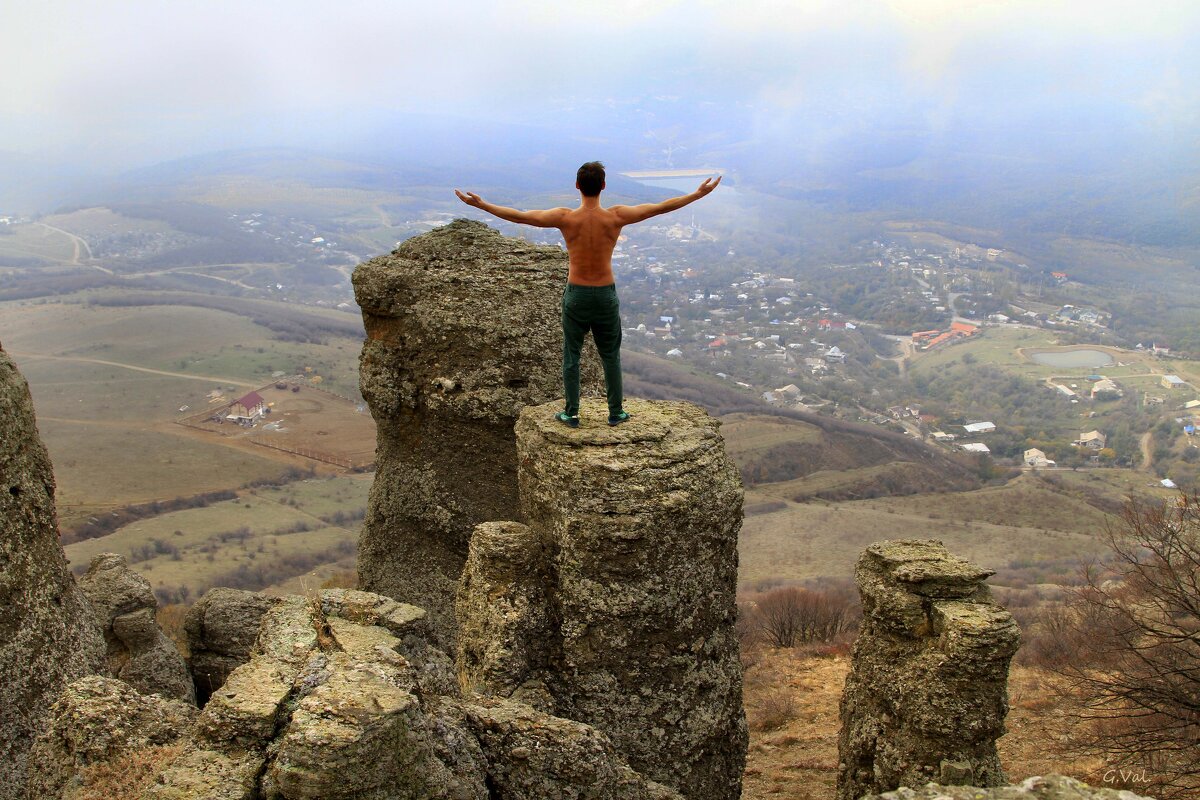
(792, 700)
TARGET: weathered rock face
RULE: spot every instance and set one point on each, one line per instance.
(615, 605)
(96, 720)
(47, 637)
(926, 696)
(1050, 787)
(221, 628)
(342, 696)
(139, 653)
(535, 756)
(463, 330)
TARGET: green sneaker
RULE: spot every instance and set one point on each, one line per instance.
(567, 419)
(618, 418)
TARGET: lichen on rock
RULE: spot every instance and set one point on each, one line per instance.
(926, 695)
(1049, 787)
(47, 636)
(463, 330)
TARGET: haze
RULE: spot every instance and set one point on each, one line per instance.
(123, 84)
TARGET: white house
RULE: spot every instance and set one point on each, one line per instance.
(975, 447)
(1036, 458)
(979, 427)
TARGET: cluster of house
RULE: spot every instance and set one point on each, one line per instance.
(928, 340)
(1078, 315)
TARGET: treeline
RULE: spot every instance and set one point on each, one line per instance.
(288, 323)
(103, 525)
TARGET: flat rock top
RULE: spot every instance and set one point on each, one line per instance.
(651, 421)
(464, 257)
(926, 566)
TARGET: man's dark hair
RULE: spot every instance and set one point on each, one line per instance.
(590, 178)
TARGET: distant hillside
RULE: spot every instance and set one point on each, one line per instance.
(801, 454)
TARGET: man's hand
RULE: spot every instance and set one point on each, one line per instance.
(470, 198)
(708, 185)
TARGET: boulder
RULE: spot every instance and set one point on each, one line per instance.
(614, 606)
(138, 652)
(221, 629)
(97, 720)
(1050, 787)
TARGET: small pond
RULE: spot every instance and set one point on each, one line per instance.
(1073, 358)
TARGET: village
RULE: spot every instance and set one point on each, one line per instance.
(778, 337)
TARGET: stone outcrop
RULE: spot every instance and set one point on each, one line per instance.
(463, 330)
(926, 695)
(222, 627)
(138, 652)
(97, 720)
(1050, 787)
(615, 606)
(47, 637)
(342, 696)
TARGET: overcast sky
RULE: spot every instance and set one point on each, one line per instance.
(134, 81)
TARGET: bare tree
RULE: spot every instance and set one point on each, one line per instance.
(1135, 675)
(791, 616)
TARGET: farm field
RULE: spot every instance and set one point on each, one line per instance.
(108, 384)
(306, 420)
(263, 537)
(34, 244)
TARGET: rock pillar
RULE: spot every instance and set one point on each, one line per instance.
(628, 572)
(926, 696)
(139, 653)
(47, 638)
(463, 330)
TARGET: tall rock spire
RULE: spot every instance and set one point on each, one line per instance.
(615, 605)
(47, 637)
(463, 331)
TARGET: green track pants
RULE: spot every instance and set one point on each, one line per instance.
(593, 308)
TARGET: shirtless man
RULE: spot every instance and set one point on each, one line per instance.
(590, 299)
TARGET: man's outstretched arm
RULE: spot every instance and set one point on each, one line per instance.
(631, 214)
(548, 218)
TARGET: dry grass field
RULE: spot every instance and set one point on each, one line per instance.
(264, 537)
(1020, 523)
(108, 383)
(35, 244)
(308, 421)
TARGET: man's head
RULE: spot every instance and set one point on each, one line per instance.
(590, 179)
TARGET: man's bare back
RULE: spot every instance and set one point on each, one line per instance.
(590, 301)
(590, 231)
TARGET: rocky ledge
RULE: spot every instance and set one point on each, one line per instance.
(343, 696)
